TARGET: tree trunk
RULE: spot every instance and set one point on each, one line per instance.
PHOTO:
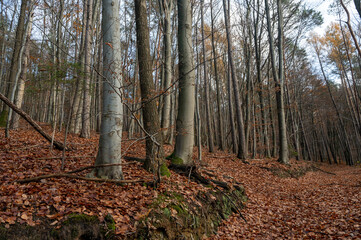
(112, 111)
(22, 79)
(85, 130)
(242, 151)
(206, 87)
(183, 151)
(278, 79)
(154, 152)
(16, 62)
(167, 44)
(216, 76)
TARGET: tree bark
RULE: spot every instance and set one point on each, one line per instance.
(109, 151)
(216, 76)
(21, 86)
(183, 151)
(278, 79)
(206, 87)
(85, 130)
(167, 45)
(154, 153)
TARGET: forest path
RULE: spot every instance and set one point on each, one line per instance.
(318, 205)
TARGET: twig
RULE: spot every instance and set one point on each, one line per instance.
(100, 166)
(48, 158)
(66, 175)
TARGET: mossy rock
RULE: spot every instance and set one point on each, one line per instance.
(75, 227)
(173, 217)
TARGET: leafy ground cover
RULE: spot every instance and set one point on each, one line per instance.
(311, 205)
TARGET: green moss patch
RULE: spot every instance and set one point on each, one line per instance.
(173, 217)
(164, 171)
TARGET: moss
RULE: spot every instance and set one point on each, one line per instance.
(174, 159)
(164, 171)
(110, 222)
(177, 160)
(80, 218)
(166, 212)
(179, 209)
(3, 118)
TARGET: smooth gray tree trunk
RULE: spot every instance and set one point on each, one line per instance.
(109, 151)
(85, 130)
(167, 7)
(183, 151)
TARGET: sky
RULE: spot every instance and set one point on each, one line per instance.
(323, 7)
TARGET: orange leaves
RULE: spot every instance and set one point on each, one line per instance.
(315, 206)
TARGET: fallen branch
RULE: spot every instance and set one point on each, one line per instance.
(49, 158)
(319, 169)
(57, 144)
(100, 166)
(66, 175)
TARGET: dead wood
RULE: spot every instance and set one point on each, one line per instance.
(66, 175)
(57, 144)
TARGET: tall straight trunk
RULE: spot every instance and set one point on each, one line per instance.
(167, 6)
(230, 107)
(278, 79)
(15, 65)
(85, 130)
(154, 151)
(198, 117)
(206, 87)
(242, 150)
(109, 151)
(257, 44)
(183, 151)
(21, 85)
(216, 76)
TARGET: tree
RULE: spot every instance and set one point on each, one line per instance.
(154, 150)
(278, 79)
(85, 130)
(16, 60)
(166, 9)
(112, 111)
(206, 87)
(242, 151)
(183, 150)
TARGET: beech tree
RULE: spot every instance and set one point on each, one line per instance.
(183, 149)
(109, 151)
(278, 79)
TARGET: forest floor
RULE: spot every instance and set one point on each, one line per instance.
(301, 201)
